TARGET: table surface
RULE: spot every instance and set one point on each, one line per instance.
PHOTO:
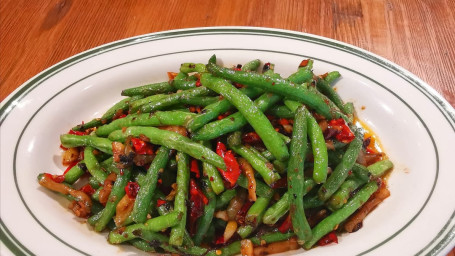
(417, 35)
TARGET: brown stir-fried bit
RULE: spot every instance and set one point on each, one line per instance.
(123, 210)
(277, 247)
(246, 247)
(107, 188)
(70, 156)
(354, 222)
(174, 128)
(249, 173)
(81, 206)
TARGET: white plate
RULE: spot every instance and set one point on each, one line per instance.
(415, 124)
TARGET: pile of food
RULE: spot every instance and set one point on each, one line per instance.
(222, 161)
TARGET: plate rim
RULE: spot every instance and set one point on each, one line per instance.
(8, 104)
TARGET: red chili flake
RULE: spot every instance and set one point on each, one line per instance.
(304, 63)
(160, 202)
(79, 133)
(251, 138)
(141, 147)
(171, 75)
(220, 240)
(119, 116)
(88, 189)
(131, 189)
(284, 121)
(160, 181)
(344, 134)
(198, 83)
(328, 239)
(55, 178)
(286, 225)
(224, 115)
(232, 172)
(195, 168)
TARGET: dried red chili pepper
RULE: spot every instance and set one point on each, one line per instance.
(160, 202)
(141, 147)
(232, 172)
(55, 178)
(131, 189)
(344, 134)
(79, 133)
(286, 225)
(195, 168)
(197, 202)
(241, 214)
(281, 183)
(328, 239)
(88, 189)
(251, 138)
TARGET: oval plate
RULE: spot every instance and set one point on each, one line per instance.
(415, 124)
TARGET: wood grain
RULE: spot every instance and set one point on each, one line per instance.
(418, 35)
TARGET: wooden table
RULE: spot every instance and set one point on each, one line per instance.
(417, 35)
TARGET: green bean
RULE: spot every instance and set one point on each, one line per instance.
(136, 105)
(71, 141)
(204, 221)
(155, 224)
(254, 216)
(281, 112)
(271, 237)
(224, 199)
(319, 149)
(281, 207)
(257, 154)
(183, 179)
(199, 100)
(108, 115)
(252, 65)
(193, 67)
(233, 122)
(118, 191)
(311, 98)
(328, 224)
(379, 168)
(93, 166)
(302, 75)
(350, 111)
(325, 88)
(295, 174)
(159, 118)
(149, 89)
(265, 170)
(361, 172)
(268, 155)
(312, 202)
(341, 172)
(212, 111)
(172, 99)
(341, 196)
(332, 76)
(252, 114)
(142, 205)
(229, 250)
(73, 174)
(172, 140)
(186, 83)
(216, 182)
(142, 245)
